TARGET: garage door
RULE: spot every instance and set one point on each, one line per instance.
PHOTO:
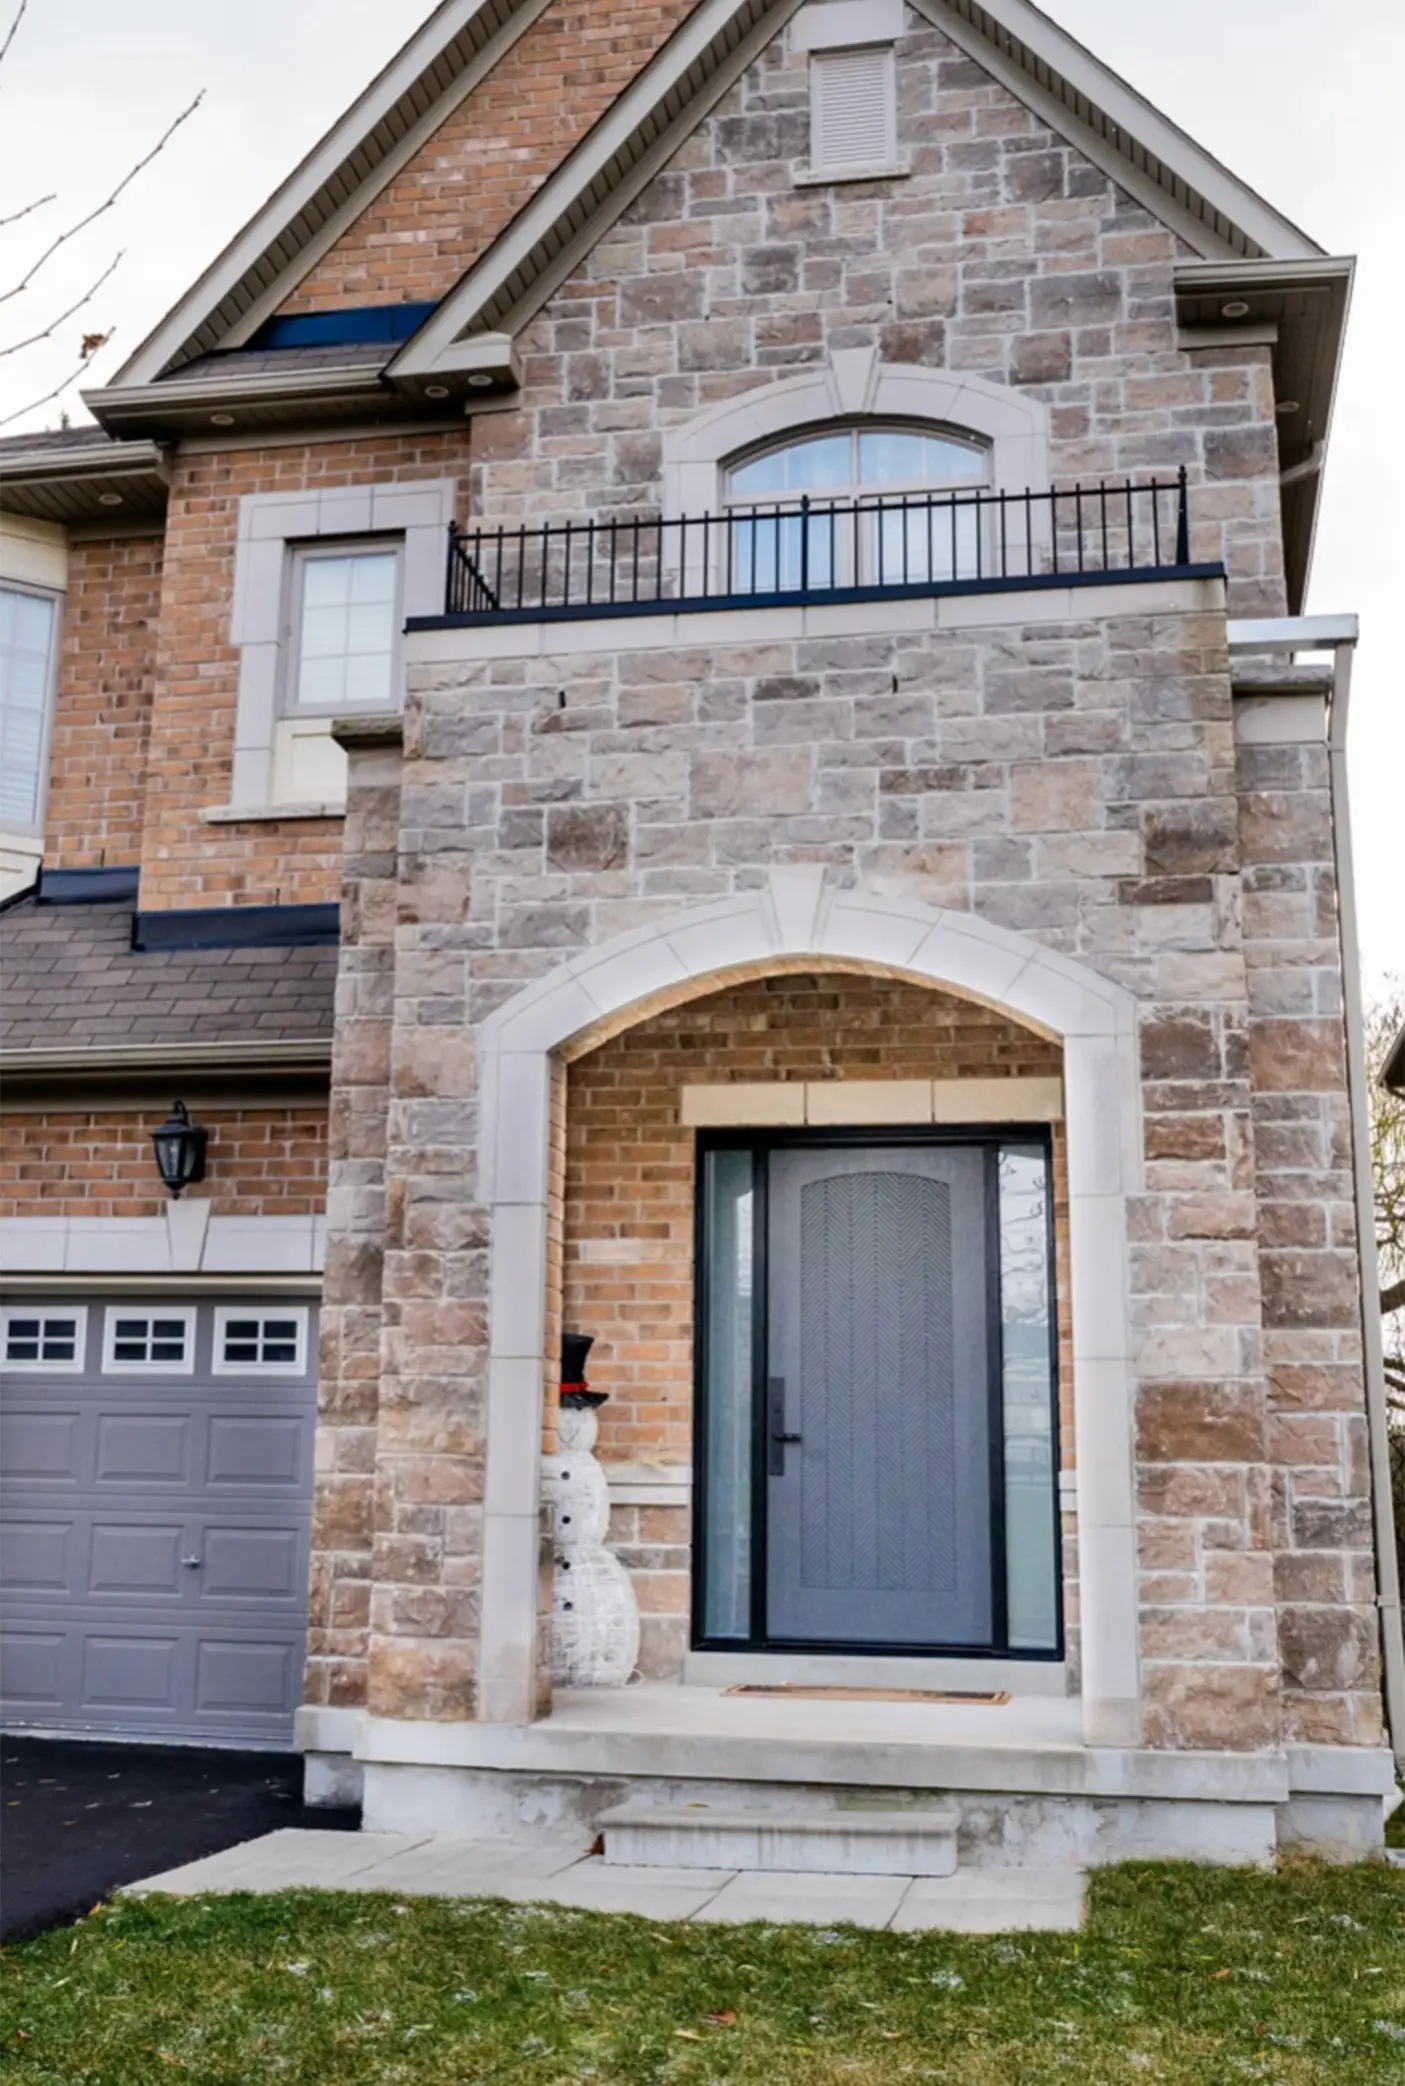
(155, 1505)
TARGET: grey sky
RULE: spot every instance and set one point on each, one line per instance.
(1304, 103)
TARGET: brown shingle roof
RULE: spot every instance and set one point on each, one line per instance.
(69, 978)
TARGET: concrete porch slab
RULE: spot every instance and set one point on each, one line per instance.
(531, 1872)
(659, 1732)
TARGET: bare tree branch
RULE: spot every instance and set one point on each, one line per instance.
(10, 32)
(82, 225)
(38, 204)
(91, 343)
(53, 327)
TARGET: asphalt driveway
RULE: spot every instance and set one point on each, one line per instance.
(78, 1820)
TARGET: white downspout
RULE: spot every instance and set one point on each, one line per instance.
(1373, 1355)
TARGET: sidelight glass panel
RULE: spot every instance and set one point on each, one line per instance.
(1031, 1478)
(728, 1392)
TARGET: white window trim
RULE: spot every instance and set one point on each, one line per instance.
(300, 556)
(112, 1367)
(271, 527)
(220, 1367)
(33, 829)
(77, 1312)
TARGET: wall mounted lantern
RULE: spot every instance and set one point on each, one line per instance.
(180, 1149)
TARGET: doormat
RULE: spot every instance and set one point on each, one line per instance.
(785, 1690)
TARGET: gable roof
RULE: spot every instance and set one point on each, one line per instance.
(1119, 130)
(384, 127)
(1218, 215)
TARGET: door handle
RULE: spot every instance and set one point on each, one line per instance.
(780, 1439)
(192, 1562)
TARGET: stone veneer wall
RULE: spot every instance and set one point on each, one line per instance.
(1319, 1511)
(352, 1542)
(1073, 780)
(629, 1210)
(1002, 253)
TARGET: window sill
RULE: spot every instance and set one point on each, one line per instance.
(822, 177)
(266, 814)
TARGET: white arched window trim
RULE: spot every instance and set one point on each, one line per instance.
(853, 384)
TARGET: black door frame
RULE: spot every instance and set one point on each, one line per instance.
(760, 1144)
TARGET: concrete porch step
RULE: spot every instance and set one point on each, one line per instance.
(852, 1843)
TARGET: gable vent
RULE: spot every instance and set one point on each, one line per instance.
(853, 98)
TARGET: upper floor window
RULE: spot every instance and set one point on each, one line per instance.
(885, 508)
(346, 622)
(28, 629)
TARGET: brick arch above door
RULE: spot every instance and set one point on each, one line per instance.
(798, 914)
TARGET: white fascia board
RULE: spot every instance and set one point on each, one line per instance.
(1004, 35)
(1293, 633)
(264, 231)
(552, 210)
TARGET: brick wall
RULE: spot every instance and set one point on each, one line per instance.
(1003, 253)
(260, 1162)
(102, 714)
(185, 862)
(444, 208)
(629, 1204)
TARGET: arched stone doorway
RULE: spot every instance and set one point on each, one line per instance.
(796, 923)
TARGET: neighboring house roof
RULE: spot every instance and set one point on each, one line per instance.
(69, 972)
(1393, 1070)
(77, 474)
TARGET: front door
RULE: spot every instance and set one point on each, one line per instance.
(877, 1453)
(878, 1397)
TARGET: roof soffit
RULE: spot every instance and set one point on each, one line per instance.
(441, 64)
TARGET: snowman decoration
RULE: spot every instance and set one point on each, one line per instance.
(595, 1619)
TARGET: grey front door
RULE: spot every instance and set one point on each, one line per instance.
(878, 1397)
(155, 1506)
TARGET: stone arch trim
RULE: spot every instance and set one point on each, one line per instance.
(852, 383)
(797, 915)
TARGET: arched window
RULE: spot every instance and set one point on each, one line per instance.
(865, 505)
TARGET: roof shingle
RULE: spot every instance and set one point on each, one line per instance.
(70, 979)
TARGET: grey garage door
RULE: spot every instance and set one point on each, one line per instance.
(155, 1505)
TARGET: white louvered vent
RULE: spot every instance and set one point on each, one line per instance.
(853, 115)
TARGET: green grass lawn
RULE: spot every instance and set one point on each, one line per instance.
(1199, 1977)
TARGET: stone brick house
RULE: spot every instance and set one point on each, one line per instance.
(836, 886)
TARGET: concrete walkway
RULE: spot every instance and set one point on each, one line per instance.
(973, 1901)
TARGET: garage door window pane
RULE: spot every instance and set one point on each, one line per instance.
(148, 1340)
(41, 1340)
(257, 1342)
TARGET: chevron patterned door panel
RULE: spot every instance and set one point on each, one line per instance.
(879, 1398)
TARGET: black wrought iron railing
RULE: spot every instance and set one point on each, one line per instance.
(803, 551)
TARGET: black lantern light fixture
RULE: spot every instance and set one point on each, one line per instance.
(180, 1149)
